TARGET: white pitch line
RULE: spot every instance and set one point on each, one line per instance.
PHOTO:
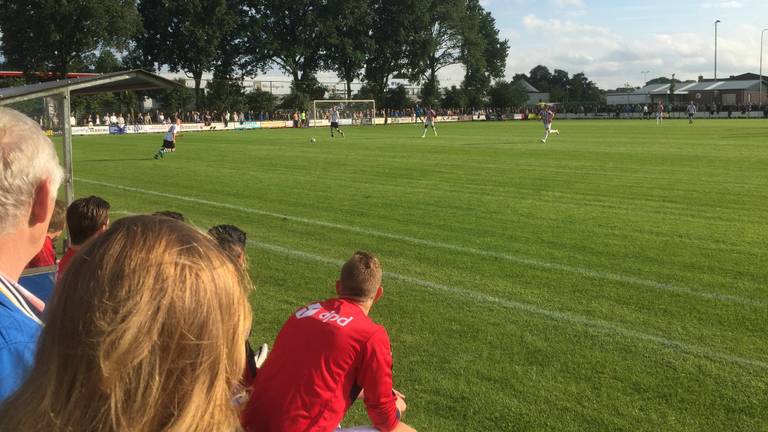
(615, 277)
(592, 324)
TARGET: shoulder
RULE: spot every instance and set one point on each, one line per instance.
(16, 329)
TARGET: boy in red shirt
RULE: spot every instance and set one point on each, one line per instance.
(324, 357)
(86, 218)
(47, 255)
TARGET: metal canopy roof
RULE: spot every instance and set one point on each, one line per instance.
(112, 82)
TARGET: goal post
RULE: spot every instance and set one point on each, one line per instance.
(355, 112)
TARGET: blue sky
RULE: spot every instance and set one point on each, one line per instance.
(614, 41)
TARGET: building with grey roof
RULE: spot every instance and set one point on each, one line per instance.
(733, 91)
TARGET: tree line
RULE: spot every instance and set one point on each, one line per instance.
(369, 40)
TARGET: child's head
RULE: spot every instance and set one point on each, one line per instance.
(231, 239)
(86, 218)
(58, 219)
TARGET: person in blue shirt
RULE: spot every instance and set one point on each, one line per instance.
(32, 176)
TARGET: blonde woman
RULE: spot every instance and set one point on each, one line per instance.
(145, 333)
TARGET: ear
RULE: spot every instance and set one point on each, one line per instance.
(338, 288)
(379, 294)
(42, 204)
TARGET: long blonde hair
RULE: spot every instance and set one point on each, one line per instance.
(145, 333)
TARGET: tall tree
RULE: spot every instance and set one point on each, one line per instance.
(483, 52)
(439, 45)
(559, 85)
(54, 35)
(186, 35)
(349, 40)
(392, 28)
(584, 90)
(540, 77)
(292, 34)
(503, 94)
(454, 98)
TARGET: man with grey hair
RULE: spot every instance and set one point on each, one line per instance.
(29, 179)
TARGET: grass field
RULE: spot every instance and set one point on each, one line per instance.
(615, 278)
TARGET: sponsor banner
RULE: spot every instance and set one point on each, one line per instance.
(96, 130)
(271, 124)
(518, 117)
(248, 125)
(399, 120)
(117, 129)
(151, 128)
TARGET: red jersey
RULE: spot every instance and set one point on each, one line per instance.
(46, 257)
(323, 356)
(64, 262)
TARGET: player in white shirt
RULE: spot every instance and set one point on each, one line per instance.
(691, 111)
(660, 114)
(334, 117)
(169, 141)
(429, 120)
(547, 115)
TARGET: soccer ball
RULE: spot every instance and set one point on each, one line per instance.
(313, 140)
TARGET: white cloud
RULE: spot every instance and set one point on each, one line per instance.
(611, 59)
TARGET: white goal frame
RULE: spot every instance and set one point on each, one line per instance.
(315, 119)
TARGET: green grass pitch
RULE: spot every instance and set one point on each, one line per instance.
(612, 279)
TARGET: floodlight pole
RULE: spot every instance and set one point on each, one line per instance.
(762, 35)
(716, 23)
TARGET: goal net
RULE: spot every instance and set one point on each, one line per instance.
(354, 112)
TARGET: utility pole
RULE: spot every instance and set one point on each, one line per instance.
(716, 23)
(762, 35)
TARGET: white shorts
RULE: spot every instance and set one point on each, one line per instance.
(428, 123)
(547, 126)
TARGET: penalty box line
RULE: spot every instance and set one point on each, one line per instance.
(614, 277)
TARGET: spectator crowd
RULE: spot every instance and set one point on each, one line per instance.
(148, 325)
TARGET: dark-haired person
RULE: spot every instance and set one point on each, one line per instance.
(169, 140)
(232, 240)
(171, 214)
(324, 357)
(86, 218)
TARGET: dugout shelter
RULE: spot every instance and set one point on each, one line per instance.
(58, 95)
